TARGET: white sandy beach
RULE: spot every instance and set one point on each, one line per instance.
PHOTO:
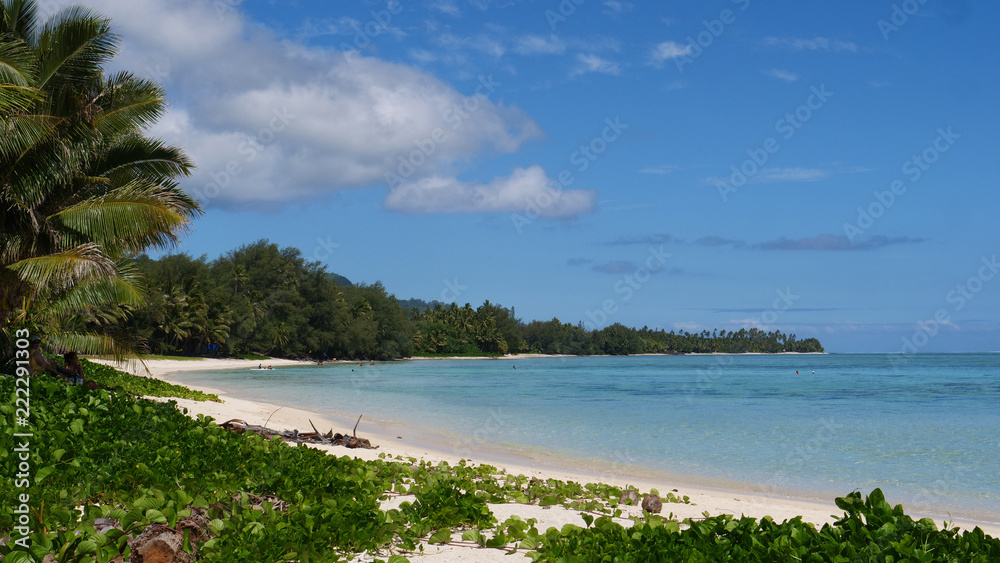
(399, 441)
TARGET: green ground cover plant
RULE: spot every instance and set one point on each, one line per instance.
(111, 378)
(254, 357)
(107, 465)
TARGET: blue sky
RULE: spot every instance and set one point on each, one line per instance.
(826, 169)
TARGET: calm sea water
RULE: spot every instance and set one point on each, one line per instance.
(924, 429)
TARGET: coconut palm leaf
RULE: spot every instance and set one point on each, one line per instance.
(86, 261)
(130, 104)
(19, 17)
(19, 132)
(81, 187)
(136, 157)
(74, 46)
(131, 218)
(16, 63)
(121, 349)
(91, 295)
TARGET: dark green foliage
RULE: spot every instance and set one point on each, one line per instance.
(261, 299)
(871, 530)
(419, 304)
(741, 341)
(142, 462)
(458, 331)
(556, 337)
(111, 378)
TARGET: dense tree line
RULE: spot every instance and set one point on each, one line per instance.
(85, 192)
(452, 330)
(556, 337)
(260, 299)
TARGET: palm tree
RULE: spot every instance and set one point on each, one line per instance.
(176, 322)
(81, 188)
(240, 278)
(281, 335)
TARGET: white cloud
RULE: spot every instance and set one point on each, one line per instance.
(660, 170)
(481, 42)
(446, 6)
(690, 326)
(422, 56)
(814, 44)
(538, 45)
(782, 75)
(668, 50)
(270, 120)
(594, 63)
(775, 175)
(769, 175)
(615, 7)
(525, 188)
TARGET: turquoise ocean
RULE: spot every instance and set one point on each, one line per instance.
(925, 428)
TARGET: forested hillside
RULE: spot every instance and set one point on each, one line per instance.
(261, 299)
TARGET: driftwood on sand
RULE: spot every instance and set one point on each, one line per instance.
(314, 437)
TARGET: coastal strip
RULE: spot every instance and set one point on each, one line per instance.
(391, 443)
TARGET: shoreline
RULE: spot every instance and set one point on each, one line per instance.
(717, 497)
(525, 356)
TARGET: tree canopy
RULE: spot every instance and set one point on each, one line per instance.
(262, 299)
(82, 188)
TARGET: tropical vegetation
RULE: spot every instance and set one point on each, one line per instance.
(85, 193)
(110, 466)
(262, 299)
(83, 189)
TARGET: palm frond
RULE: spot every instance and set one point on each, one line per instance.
(16, 62)
(97, 293)
(121, 348)
(74, 45)
(135, 156)
(18, 132)
(86, 261)
(133, 217)
(128, 104)
(19, 18)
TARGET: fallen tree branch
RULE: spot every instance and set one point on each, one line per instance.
(316, 437)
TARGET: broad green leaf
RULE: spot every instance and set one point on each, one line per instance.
(43, 473)
(156, 517)
(441, 536)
